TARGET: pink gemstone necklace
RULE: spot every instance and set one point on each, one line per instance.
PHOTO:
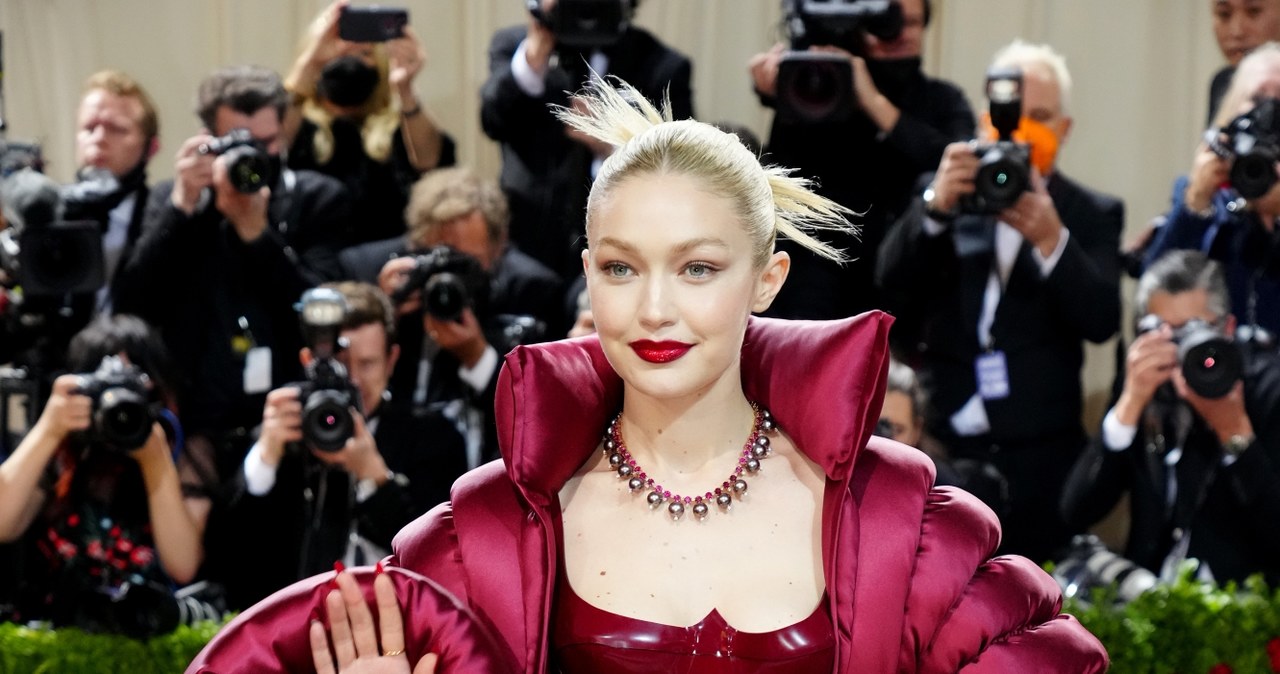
(755, 449)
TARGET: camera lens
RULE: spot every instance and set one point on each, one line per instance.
(1211, 364)
(1001, 179)
(445, 296)
(1254, 173)
(247, 168)
(326, 420)
(123, 419)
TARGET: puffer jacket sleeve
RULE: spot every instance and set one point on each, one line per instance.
(972, 614)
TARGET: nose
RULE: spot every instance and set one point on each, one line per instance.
(656, 309)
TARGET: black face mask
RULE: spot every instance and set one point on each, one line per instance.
(894, 77)
(347, 81)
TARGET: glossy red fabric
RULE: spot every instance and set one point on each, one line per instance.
(588, 640)
(272, 636)
(910, 583)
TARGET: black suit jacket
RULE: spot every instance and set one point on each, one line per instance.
(935, 284)
(546, 176)
(194, 279)
(1232, 512)
(272, 540)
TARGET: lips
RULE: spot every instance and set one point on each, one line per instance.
(659, 352)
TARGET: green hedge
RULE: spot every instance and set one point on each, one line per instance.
(25, 650)
(1188, 627)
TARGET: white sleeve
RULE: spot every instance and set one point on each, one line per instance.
(259, 476)
(477, 376)
(1116, 436)
(529, 80)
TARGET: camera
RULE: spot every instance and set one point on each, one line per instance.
(122, 413)
(18, 155)
(450, 282)
(327, 394)
(818, 86)
(1211, 363)
(1089, 564)
(1251, 142)
(372, 24)
(585, 24)
(1004, 166)
(248, 166)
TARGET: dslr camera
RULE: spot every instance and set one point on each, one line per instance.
(585, 24)
(1089, 565)
(41, 251)
(248, 166)
(1004, 166)
(327, 394)
(122, 412)
(817, 86)
(1251, 142)
(450, 282)
(1211, 363)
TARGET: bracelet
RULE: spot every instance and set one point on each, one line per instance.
(411, 111)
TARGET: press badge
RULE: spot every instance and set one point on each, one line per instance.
(993, 375)
(257, 370)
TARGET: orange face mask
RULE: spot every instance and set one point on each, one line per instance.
(1042, 139)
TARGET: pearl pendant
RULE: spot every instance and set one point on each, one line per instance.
(676, 509)
(700, 509)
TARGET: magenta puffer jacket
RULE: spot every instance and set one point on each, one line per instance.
(910, 579)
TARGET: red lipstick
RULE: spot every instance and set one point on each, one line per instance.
(659, 352)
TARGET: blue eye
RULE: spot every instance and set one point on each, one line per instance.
(699, 270)
(616, 269)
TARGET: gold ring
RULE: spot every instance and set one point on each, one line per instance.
(392, 654)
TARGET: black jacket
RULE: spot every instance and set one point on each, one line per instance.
(194, 279)
(935, 285)
(871, 174)
(1232, 512)
(546, 176)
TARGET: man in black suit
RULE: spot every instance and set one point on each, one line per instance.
(869, 161)
(993, 309)
(1203, 473)
(218, 270)
(453, 364)
(547, 172)
(296, 508)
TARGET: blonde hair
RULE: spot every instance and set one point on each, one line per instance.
(119, 84)
(447, 193)
(1245, 81)
(768, 200)
(1024, 54)
(380, 115)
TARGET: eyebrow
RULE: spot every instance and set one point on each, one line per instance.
(683, 247)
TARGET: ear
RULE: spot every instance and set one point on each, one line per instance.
(1067, 122)
(304, 356)
(392, 356)
(586, 264)
(1229, 326)
(770, 281)
(153, 147)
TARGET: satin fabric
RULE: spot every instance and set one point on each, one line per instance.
(910, 580)
(588, 640)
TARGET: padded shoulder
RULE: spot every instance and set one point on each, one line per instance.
(272, 635)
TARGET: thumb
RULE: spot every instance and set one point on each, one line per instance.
(427, 665)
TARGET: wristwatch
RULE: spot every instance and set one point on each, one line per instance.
(368, 486)
(1237, 444)
(930, 208)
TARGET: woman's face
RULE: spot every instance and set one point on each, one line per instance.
(671, 280)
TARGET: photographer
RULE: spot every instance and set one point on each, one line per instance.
(546, 168)
(993, 304)
(110, 506)
(301, 506)
(354, 116)
(1229, 203)
(1239, 26)
(230, 245)
(1200, 467)
(890, 127)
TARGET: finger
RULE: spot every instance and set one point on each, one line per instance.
(427, 665)
(390, 623)
(363, 631)
(320, 655)
(344, 649)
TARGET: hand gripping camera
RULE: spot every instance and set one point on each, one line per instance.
(327, 395)
(1251, 142)
(248, 166)
(450, 282)
(1004, 166)
(1211, 362)
(122, 413)
(818, 86)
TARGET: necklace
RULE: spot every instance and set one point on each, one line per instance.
(755, 449)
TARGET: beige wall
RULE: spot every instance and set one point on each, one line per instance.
(1141, 67)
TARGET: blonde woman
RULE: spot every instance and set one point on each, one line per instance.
(694, 489)
(355, 116)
